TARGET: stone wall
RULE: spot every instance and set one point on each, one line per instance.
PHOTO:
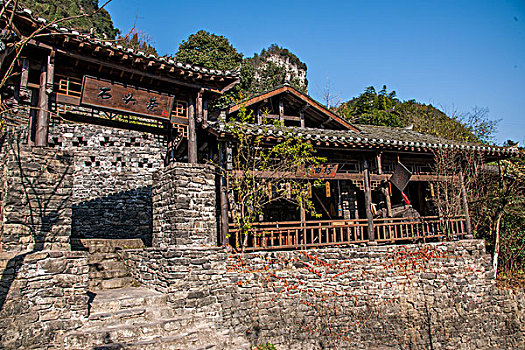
(112, 179)
(42, 295)
(35, 199)
(434, 296)
(184, 211)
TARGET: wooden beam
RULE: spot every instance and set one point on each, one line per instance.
(192, 133)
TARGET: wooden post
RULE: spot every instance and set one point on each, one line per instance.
(379, 164)
(464, 199)
(301, 116)
(281, 111)
(198, 106)
(24, 75)
(368, 202)
(192, 133)
(42, 120)
(259, 116)
(205, 113)
(223, 190)
(50, 74)
(388, 199)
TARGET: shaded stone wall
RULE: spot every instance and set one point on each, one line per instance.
(434, 296)
(112, 179)
(184, 211)
(35, 197)
(42, 295)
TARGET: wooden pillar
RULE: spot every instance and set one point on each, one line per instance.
(42, 119)
(205, 113)
(24, 75)
(259, 116)
(50, 75)
(223, 193)
(388, 199)
(192, 133)
(464, 200)
(281, 111)
(301, 116)
(198, 106)
(368, 202)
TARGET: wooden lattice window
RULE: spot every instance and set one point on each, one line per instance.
(180, 109)
(182, 130)
(68, 86)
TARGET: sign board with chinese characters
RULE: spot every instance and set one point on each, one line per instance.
(400, 177)
(321, 171)
(125, 98)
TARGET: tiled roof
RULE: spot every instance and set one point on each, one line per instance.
(369, 136)
(115, 46)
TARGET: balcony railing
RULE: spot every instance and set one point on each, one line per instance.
(310, 234)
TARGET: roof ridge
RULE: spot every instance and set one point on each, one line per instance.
(112, 43)
(350, 136)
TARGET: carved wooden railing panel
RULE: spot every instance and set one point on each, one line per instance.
(309, 234)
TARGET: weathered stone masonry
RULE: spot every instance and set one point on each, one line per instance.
(184, 206)
(42, 295)
(437, 296)
(43, 285)
(112, 179)
(35, 197)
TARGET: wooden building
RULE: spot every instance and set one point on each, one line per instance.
(358, 202)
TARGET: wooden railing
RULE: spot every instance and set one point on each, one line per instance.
(297, 234)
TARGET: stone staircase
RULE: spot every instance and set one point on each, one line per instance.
(106, 270)
(125, 317)
(139, 318)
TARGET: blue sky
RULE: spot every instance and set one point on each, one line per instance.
(455, 55)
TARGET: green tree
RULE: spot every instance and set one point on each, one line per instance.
(372, 108)
(210, 51)
(100, 22)
(139, 41)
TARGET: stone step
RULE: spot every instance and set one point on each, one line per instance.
(131, 316)
(109, 264)
(118, 282)
(126, 298)
(97, 258)
(108, 274)
(177, 342)
(145, 331)
(105, 245)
